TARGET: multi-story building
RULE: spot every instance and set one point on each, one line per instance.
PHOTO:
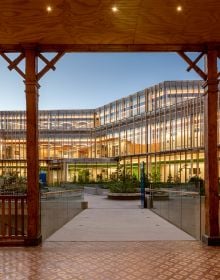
(162, 125)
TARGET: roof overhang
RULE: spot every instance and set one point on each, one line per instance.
(91, 26)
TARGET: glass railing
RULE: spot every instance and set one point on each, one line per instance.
(58, 206)
(180, 204)
(203, 214)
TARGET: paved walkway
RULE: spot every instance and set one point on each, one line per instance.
(112, 220)
(148, 260)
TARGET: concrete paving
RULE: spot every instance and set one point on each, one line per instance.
(110, 220)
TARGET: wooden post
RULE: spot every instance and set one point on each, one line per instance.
(33, 197)
(211, 236)
(31, 78)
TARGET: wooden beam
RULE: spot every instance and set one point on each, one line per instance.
(46, 61)
(13, 64)
(211, 236)
(49, 65)
(33, 195)
(16, 61)
(120, 48)
(69, 48)
(195, 62)
(192, 65)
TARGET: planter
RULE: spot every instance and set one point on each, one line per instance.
(84, 205)
(124, 196)
(160, 196)
(95, 190)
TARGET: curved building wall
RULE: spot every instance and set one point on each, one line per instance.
(162, 125)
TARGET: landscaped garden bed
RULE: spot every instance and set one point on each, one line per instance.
(124, 196)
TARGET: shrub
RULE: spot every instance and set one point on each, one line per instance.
(123, 187)
(199, 184)
(125, 184)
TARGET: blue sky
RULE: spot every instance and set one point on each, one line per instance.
(90, 80)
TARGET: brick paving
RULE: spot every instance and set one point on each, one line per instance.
(150, 260)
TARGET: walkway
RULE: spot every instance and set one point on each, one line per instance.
(152, 260)
(138, 260)
(110, 220)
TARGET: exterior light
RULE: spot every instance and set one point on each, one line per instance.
(179, 8)
(114, 9)
(49, 9)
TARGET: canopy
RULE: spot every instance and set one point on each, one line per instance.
(136, 25)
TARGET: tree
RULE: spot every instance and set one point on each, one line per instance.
(155, 175)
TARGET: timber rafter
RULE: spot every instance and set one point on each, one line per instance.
(193, 64)
(49, 64)
(69, 48)
(13, 64)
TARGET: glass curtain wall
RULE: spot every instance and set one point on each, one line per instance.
(163, 124)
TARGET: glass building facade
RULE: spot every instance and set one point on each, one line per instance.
(162, 125)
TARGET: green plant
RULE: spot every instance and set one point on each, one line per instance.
(121, 187)
(199, 184)
(169, 178)
(124, 183)
(147, 181)
(177, 179)
(129, 185)
(155, 175)
(83, 176)
(99, 178)
(120, 172)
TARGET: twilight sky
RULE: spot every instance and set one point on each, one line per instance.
(90, 80)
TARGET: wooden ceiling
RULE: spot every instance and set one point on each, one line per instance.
(91, 25)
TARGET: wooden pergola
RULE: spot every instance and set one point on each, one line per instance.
(32, 28)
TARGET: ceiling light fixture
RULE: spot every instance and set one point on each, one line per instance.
(114, 9)
(179, 8)
(49, 9)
